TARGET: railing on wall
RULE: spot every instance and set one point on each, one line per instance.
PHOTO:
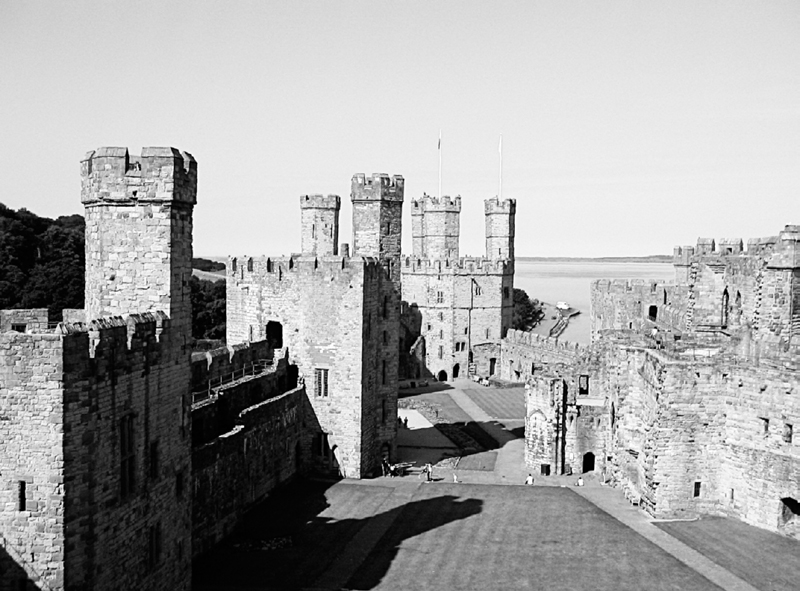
(255, 368)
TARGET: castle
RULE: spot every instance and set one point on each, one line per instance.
(687, 397)
(124, 454)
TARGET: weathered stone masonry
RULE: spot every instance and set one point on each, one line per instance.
(698, 383)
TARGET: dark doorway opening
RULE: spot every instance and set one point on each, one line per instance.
(456, 369)
(275, 334)
(790, 511)
(442, 376)
(652, 313)
(492, 366)
(545, 468)
(588, 462)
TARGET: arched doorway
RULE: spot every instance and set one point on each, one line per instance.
(652, 313)
(442, 376)
(588, 462)
(456, 368)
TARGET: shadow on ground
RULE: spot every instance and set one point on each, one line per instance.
(300, 534)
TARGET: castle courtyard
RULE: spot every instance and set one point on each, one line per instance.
(486, 532)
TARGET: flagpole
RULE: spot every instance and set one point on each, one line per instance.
(500, 174)
(440, 164)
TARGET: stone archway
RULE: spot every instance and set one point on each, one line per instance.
(456, 369)
(588, 462)
(442, 376)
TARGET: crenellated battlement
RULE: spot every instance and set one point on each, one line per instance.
(465, 265)
(317, 201)
(112, 175)
(430, 203)
(496, 205)
(521, 337)
(620, 286)
(247, 268)
(780, 251)
(379, 187)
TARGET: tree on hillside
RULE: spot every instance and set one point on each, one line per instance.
(208, 308)
(527, 312)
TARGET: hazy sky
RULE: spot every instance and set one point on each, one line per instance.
(628, 127)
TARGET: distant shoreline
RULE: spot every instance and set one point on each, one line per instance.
(655, 258)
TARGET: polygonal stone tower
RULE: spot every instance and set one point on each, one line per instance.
(319, 224)
(139, 232)
(440, 226)
(500, 228)
(377, 219)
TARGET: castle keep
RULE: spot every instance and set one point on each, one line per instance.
(456, 309)
(687, 396)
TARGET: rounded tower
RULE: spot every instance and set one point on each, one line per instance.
(319, 224)
(500, 228)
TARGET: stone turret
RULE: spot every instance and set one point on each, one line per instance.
(139, 232)
(377, 219)
(319, 224)
(435, 227)
(500, 228)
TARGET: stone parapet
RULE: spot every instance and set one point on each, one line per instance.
(379, 187)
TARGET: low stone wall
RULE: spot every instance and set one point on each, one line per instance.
(239, 468)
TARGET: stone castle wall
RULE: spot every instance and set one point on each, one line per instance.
(32, 435)
(352, 310)
(98, 376)
(249, 438)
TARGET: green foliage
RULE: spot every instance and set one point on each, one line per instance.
(207, 265)
(41, 261)
(527, 312)
(208, 308)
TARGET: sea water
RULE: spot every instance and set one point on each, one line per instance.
(570, 282)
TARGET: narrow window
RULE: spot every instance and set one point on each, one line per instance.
(732, 491)
(22, 502)
(466, 330)
(383, 372)
(154, 460)
(533, 368)
(385, 338)
(441, 316)
(441, 352)
(764, 426)
(441, 333)
(19, 327)
(505, 293)
(787, 433)
(477, 289)
(127, 456)
(313, 231)
(321, 383)
(154, 546)
(233, 265)
(250, 265)
(583, 385)
(487, 333)
(439, 297)
(385, 306)
(697, 489)
(179, 484)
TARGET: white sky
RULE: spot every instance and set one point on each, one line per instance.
(628, 127)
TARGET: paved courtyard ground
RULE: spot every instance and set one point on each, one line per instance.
(439, 536)
(487, 532)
